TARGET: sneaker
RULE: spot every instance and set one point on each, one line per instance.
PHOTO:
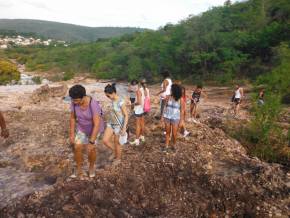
(136, 142)
(164, 149)
(142, 138)
(172, 149)
(186, 133)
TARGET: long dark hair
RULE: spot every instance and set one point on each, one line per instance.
(110, 88)
(176, 92)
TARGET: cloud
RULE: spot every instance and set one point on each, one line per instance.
(37, 4)
(5, 4)
(134, 13)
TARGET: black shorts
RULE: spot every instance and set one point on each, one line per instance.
(195, 101)
(139, 115)
(237, 101)
(132, 100)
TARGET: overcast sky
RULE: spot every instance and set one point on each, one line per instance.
(134, 13)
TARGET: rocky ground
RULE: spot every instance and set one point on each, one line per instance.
(210, 175)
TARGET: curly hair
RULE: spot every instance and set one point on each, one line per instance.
(77, 91)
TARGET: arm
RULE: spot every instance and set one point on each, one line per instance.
(182, 109)
(72, 127)
(4, 131)
(96, 121)
(138, 94)
(125, 113)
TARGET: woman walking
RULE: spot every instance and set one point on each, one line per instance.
(85, 125)
(173, 114)
(132, 89)
(237, 99)
(142, 93)
(195, 99)
(117, 124)
(182, 127)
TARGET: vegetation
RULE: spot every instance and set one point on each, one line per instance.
(263, 135)
(233, 41)
(8, 72)
(62, 31)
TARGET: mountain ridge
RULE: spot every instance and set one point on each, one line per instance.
(64, 31)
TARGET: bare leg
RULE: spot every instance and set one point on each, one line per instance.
(92, 156)
(168, 133)
(142, 126)
(78, 156)
(107, 140)
(174, 134)
(118, 147)
(138, 127)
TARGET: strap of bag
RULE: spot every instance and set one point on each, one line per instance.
(116, 117)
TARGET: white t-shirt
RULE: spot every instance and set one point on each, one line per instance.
(238, 93)
(139, 109)
(167, 91)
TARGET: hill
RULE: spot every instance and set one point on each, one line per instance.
(63, 31)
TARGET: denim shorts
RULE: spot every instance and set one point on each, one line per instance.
(115, 127)
(82, 139)
(172, 121)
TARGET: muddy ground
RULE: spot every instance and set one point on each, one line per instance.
(210, 175)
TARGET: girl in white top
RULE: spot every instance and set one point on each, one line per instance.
(237, 98)
(165, 91)
(141, 93)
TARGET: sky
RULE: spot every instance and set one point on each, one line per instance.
(118, 13)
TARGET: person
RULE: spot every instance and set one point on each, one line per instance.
(237, 98)
(117, 124)
(182, 127)
(261, 97)
(4, 130)
(85, 126)
(132, 89)
(141, 93)
(173, 114)
(165, 90)
(195, 99)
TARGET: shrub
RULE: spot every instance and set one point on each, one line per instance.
(8, 72)
(36, 80)
(68, 75)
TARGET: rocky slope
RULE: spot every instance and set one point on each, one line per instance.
(210, 175)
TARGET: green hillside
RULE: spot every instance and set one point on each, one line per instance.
(235, 41)
(62, 31)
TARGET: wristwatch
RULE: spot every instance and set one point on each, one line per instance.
(92, 143)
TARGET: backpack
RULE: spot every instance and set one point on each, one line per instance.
(102, 122)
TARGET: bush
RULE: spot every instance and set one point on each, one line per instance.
(68, 75)
(36, 80)
(8, 72)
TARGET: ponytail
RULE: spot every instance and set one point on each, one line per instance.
(110, 88)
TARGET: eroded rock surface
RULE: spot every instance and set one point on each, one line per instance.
(210, 175)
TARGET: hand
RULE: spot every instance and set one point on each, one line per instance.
(4, 133)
